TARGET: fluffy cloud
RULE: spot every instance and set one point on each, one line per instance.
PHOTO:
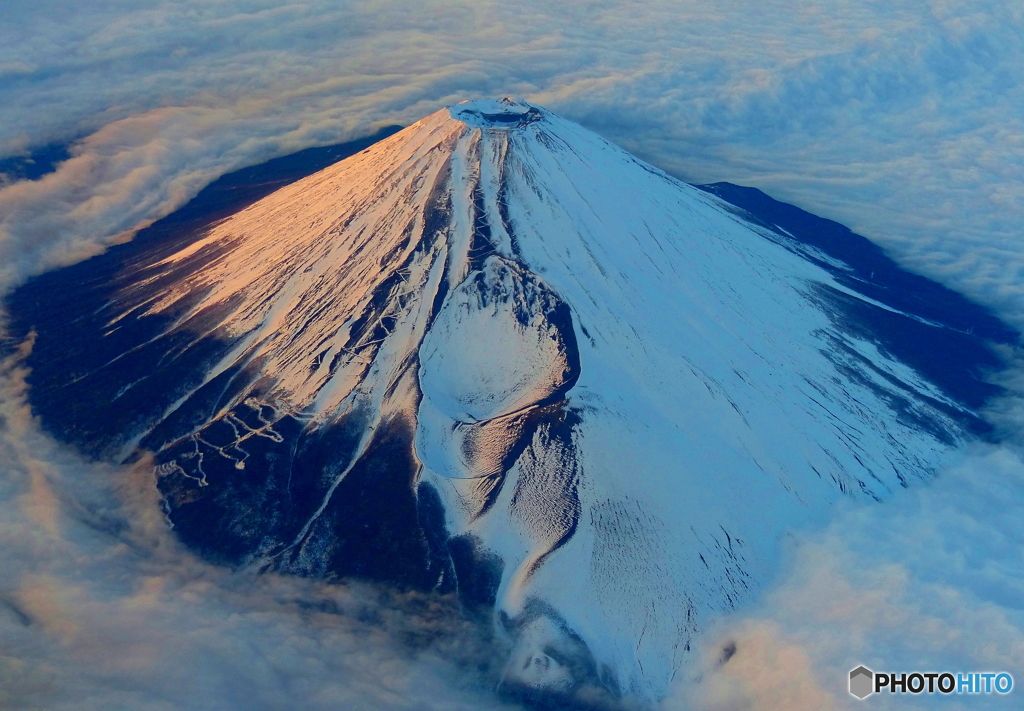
(929, 581)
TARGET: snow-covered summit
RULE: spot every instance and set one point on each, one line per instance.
(520, 364)
(507, 112)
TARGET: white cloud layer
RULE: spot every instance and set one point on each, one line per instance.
(930, 581)
(902, 120)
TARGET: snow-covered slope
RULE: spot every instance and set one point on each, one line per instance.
(494, 353)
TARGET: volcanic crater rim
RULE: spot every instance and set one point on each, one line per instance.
(505, 113)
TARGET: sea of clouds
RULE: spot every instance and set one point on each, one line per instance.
(903, 120)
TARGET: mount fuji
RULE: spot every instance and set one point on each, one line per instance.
(495, 355)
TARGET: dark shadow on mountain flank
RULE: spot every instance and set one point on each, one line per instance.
(39, 162)
(947, 338)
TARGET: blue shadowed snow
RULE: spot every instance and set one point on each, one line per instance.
(950, 350)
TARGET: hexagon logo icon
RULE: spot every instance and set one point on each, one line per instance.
(861, 682)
